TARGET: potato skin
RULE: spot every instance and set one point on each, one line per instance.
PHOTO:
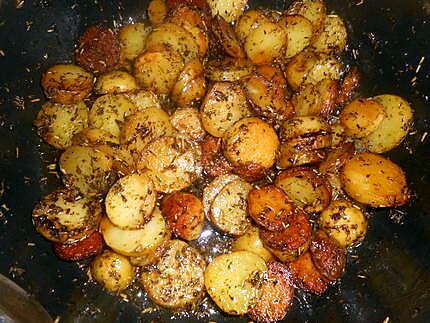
(79, 250)
(184, 215)
(374, 180)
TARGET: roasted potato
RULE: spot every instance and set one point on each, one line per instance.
(250, 241)
(157, 12)
(176, 280)
(333, 37)
(313, 10)
(112, 271)
(227, 38)
(228, 69)
(230, 10)
(233, 280)
(303, 127)
(184, 215)
(188, 123)
(65, 216)
(375, 180)
(344, 222)
(299, 33)
(67, 83)
(79, 250)
(143, 99)
(224, 104)
(57, 123)
(94, 137)
(214, 162)
(213, 189)
(132, 40)
(248, 21)
(115, 82)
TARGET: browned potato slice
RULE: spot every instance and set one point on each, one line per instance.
(228, 69)
(250, 241)
(269, 207)
(248, 21)
(229, 208)
(306, 275)
(94, 136)
(67, 83)
(87, 169)
(214, 162)
(327, 255)
(299, 33)
(138, 242)
(190, 87)
(313, 10)
(213, 189)
(291, 242)
(374, 180)
(184, 215)
(325, 68)
(336, 158)
(277, 292)
(225, 103)
(157, 69)
(132, 40)
(395, 126)
(109, 111)
(143, 99)
(157, 12)
(295, 153)
(361, 117)
(151, 257)
(230, 10)
(265, 43)
(176, 280)
(226, 36)
(174, 163)
(115, 82)
(306, 188)
(298, 68)
(303, 126)
(130, 201)
(333, 37)
(57, 123)
(349, 84)
(66, 217)
(232, 281)
(112, 271)
(338, 134)
(251, 142)
(344, 222)
(187, 122)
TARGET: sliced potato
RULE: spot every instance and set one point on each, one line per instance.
(132, 40)
(229, 208)
(225, 103)
(344, 222)
(306, 188)
(57, 123)
(374, 180)
(115, 82)
(184, 215)
(157, 12)
(143, 99)
(230, 10)
(66, 217)
(177, 278)
(361, 117)
(250, 241)
(87, 169)
(336, 158)
(395, 126)
(228, 69)
(130, 201)
(112, 271)
(299, 152)
(213, 189)
(94, 136)
(325, 68)
(313, 10)
(187, 122)
(248, 21)
(139, 242)
(299, 33)
(232, 281)
(298, 68)
(109, 111)
(333, 37)
(67, 83)
(303, 126)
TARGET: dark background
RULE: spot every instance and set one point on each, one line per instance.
(387, 276)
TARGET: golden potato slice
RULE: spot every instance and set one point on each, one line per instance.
(138, 242)
(143, 99)
(157, 12)
(112, 271)
(298, 68)
(229, 208)
(188, 123)
(57, 123)
(250, 241)
(224, 104)
(299, 33)
(299, 152)
(158, 68)
(303, 126)
(87, 169)
(132, 40)
(313, 10)
(94, 136)
(375, 180)
(265, 43)
(325, 68)
(213, 189)
(226, 37)
(228, 69)
(333, 37)
(109, 111)
(248, 21)
(115, 82)
(232, 281)
(176, 280)
(344, 222)
(67, 83)
(230, 10)
(130, 201)
(336, 158)
(66, 217)
(361, 117)
(393, 128)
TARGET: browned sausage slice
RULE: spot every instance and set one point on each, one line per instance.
(85, 248)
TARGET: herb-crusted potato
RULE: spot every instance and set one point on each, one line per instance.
(132, 40)
(232, 281)
(250, 241)
(228, 69)
(248, 21)
(115, 82)
(375, 180)
(188, 123)
(176, 280)
(66, 217)
(299, 33)
(143, 99)
(227, 38)
(230, 10)
(333, 37)
(213, 189)
(313, 10)
(57, 123)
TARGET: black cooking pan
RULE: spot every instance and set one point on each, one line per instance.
(387, 276)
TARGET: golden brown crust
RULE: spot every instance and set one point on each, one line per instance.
(213, 161)
(227, 37)
(85, 248)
